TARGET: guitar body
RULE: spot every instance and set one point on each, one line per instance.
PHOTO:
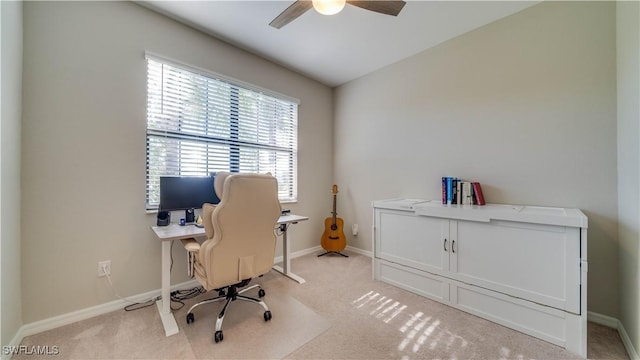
(333, 239)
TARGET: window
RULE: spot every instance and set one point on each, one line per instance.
(199, 123)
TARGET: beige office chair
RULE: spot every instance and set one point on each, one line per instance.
(240, 243)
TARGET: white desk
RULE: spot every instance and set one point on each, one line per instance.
(177, 232)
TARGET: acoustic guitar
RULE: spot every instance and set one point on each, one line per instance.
(333, 239)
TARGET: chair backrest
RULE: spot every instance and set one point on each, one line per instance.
(207, 209)
(218, 182)
(243, 223)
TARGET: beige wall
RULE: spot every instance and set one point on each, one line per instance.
(628, 63)
(525, 105)
(84, 147)
(10, 91)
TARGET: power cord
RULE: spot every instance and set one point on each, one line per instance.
(134, 304)
(179, 296)
(171, 257)
(176, 296)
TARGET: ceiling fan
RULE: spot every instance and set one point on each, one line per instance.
(330, 7)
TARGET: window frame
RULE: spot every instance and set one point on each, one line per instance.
(234, 140)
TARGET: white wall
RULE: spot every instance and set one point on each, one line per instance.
(628, 80)
(84, 147)
(11, 95)
(525, 105)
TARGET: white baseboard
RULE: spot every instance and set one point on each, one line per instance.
(615, 324)
(360, 251)
(83, 314)
(299, 253)
(75, 316)
(626, 341)
(605, 320)
(319, 248)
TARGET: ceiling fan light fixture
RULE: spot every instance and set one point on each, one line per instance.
(328, 7)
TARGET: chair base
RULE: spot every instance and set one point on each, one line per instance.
(230, 294)
(333, 252)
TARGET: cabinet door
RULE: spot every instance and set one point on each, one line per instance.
(412, 240)
(540, 263)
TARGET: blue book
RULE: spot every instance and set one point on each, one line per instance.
(449, 190)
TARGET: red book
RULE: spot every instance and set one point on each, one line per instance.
(477, 193)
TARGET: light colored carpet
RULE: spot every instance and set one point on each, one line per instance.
(139, 334)
(246, 334)
(339, 313)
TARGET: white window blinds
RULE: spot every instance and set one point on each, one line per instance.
(200, 123)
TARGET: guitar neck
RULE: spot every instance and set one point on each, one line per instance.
(335, 214)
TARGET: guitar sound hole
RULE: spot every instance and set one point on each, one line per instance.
(334, 227)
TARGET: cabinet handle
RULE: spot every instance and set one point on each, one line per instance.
(445, 244)
(453, 244)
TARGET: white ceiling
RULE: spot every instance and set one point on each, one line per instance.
(339, 48)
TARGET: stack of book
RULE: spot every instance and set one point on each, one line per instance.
(456, 191)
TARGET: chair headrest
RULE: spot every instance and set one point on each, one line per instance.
(218, 182)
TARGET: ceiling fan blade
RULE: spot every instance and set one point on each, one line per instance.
(388, 7)
(291, 13)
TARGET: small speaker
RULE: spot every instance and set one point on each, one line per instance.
(190, 215)
(164, 218)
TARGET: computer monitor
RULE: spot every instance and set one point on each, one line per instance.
(186, 193)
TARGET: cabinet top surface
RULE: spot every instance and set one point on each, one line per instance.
(485, 213)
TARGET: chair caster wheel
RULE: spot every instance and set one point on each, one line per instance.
(190, 318)
(217, 337)
(267, 315)
(261, 293)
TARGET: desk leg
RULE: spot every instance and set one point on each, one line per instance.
(164, 304)
(286, 261)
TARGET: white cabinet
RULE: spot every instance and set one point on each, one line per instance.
(423, 240)
(523, 267)
(421, 248)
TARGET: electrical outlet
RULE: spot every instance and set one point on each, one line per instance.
(104, 268)
(354, 229)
